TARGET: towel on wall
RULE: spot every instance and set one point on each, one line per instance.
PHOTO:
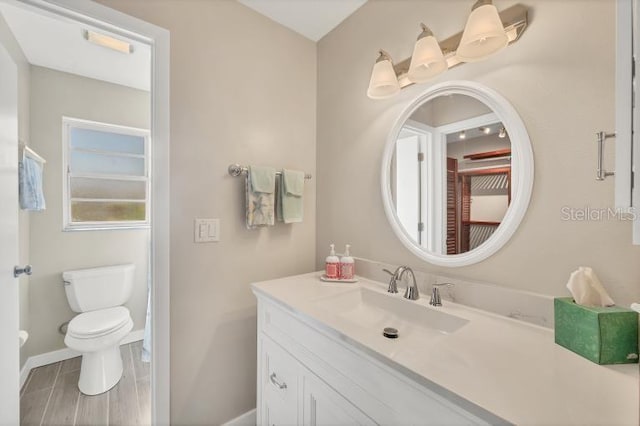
(260, 196)
(290, 200)
(30, 185)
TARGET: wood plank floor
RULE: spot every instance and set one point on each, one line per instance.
(50, 396)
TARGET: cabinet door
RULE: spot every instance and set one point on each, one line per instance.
(279, 375)
(627, 142)
(323, 406)
(275, 412)
(624, 103)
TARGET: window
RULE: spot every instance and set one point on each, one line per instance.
(106, 171)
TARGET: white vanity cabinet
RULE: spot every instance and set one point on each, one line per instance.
(308, 375)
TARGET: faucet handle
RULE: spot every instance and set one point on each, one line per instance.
(393, 285)
(435, 293)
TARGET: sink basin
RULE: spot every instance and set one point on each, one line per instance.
(377, 310)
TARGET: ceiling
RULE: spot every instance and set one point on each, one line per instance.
(53, 42)
(475, 132)
(311, 18)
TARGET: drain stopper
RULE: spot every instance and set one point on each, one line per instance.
(390, 332)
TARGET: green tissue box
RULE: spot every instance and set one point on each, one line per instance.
(602, 335)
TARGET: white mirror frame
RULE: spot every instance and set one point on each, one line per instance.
(521, 177)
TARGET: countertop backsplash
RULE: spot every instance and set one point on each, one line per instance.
(525, 306)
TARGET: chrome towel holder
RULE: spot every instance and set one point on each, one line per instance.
(236, 170)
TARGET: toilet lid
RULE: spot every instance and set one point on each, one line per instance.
(98, 323)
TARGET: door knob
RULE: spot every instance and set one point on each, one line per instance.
(17, 271)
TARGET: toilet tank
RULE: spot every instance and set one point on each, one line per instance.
(98, 288)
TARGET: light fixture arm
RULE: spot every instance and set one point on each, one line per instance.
(481, 3)
(426, 32)
(383, 56)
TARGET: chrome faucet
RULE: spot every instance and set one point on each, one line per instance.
(435, 294)
(411, 292)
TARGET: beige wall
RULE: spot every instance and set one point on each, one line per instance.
(55, 94)
(10, 43)
(243, 89)
(559, 77)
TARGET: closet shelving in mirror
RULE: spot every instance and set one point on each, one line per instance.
(388, 78)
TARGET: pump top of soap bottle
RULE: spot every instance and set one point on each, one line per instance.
(332, 258)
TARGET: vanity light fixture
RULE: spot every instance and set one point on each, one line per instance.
(384, 81)
(486, 32)
(108, 42)
(427, 60)
(503, 133)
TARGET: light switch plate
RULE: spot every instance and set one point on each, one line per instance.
(206, 230)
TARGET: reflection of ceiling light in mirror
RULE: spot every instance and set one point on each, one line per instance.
(462, 135)
(484, 33)
(384, 82)
(427, 60)
(503, 133)
(485, 130)
(108, 42)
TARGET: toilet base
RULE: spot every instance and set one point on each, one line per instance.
(100, 371)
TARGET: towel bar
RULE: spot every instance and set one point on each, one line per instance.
(237, 170)
(28, 152)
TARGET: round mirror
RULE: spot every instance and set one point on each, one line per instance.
(457, 174)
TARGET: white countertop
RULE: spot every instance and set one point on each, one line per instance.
(507, 367)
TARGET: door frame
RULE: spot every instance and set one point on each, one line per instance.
(117, 22)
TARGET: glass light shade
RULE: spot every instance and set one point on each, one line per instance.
(384, 82)
(427, 60)
(483, 35)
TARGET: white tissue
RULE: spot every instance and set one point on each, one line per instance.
(586, 288)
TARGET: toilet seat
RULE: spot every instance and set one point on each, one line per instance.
(98, 323)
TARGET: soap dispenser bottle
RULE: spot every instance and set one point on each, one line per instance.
(347, 265)
(332, 265)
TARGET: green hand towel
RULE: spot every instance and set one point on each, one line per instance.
(290, 196)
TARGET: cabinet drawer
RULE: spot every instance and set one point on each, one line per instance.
(280, 377)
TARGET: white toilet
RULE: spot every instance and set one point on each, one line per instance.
(97, 294)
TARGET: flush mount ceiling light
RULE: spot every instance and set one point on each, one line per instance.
(427, 60)
(485, 130)
(384, 81)
(108, 42)
(486, 32)
(462, 135)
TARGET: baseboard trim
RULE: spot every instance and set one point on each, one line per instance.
(246, 419)
(62, 354)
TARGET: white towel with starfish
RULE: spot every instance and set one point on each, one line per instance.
(260, 190)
